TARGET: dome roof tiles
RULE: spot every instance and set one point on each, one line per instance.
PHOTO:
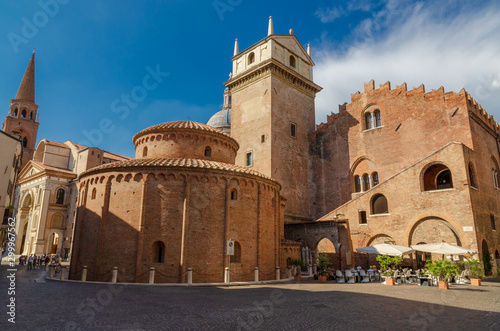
(180, 125)
(174, 163)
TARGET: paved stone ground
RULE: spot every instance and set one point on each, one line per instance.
(297, 305)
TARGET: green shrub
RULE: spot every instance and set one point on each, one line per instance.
(475, 269)
(443, 269)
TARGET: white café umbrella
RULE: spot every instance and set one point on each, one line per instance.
(443, 248)
(386, 249)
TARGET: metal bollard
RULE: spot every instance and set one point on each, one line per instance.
(52, 271)
(115, 275)
(151, 275)
(84, 273)
(277, 273)
(63, 273)
(190, 276)
(226, 275)
(256, 274)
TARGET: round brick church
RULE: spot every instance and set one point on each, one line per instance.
(174, 207)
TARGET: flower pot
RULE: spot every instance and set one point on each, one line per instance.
(475, 282)
(390, 281)
(297, 277)
(322, 279)
(443, 285)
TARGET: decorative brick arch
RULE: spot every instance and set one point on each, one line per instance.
(380, 237)
(443, 222)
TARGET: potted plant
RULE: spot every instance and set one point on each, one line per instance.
(323, 264)
(387, 264)
(443, 269)
(297, 266)
(475, 271)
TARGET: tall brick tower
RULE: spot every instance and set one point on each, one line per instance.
(273, 113)
(21, 121)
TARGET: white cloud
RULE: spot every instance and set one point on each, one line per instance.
(415, 44)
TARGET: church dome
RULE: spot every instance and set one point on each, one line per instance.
(221, 120)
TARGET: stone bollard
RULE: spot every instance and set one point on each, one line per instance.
(226, 275)
(289, 272)
(46, 266)
(52, 271)
(151, 275)
(63, 273)
(277, 273)
(256, 274)
(310, 270)
(190, 276)
(315, 269)
(84, 273)
(115, 275)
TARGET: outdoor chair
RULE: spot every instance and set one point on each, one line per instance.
(340, 276)
(397, 276)
(351, 279)
(372, 275)
(364, 277)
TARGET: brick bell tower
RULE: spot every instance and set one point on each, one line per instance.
(21, 121)
(273, 113)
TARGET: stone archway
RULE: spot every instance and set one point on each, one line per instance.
(325, 246)
(54, 243)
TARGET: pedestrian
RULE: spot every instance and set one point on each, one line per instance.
(47, 260)
(30, 262)
(35, 261)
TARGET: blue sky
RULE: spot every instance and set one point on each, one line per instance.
(91, 54)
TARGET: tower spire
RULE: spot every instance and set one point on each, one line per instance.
(270, 29)
(236, 47)
(27, 88)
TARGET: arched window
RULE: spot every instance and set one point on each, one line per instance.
(368, 121)
(25, 142)
(366, 182)
(292, 61)
(208, 151)
(375, 178)
(251, 58)
(60, 196)
(23, 113)
(236, 258)
(357, 184)
(94, 192)
(495, 173)
(379, 205)
(145, 151)
(158, 252)
(234, 194)
(472, 176)
(378, 118)
(15, 112)
(437, 177)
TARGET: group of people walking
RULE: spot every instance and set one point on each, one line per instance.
(34, 262)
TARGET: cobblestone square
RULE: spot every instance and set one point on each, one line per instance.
(55, 305)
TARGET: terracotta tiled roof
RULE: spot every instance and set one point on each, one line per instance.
(55, 143)
(115, 156)
(175, 163)
(182, 125)
(46, 167)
